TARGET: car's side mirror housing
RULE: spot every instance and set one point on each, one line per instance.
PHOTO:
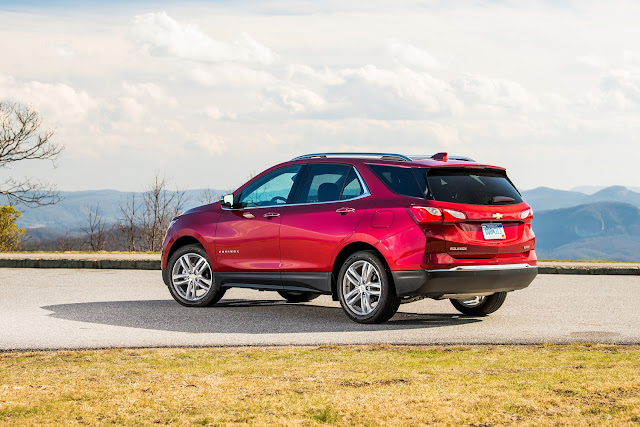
(227, 200)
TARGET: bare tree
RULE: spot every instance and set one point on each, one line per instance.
(159, 207)
(22, 139)
(68, 242)
(96, 229)
(208, 196)
(129, 222)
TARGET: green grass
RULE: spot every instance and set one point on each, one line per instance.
(347, 385)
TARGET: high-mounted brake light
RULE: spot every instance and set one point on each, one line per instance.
(443, 157)
(452, 216)
(422, 214)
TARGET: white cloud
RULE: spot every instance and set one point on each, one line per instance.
(212, 144)
(325, 76)
(59, 102)
(215, 113)
(298, 98)
(132, 109)
(162, 35)
(151, 91)
(432, 95)
(482, 90)
(594, 61)
(231, 74)
(63, 50)
(412, 55)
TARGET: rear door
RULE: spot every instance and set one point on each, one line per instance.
(330, 205)
(484, 215)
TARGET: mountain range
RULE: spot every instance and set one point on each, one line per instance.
(544, 198)
(571, 224)
(71, 212)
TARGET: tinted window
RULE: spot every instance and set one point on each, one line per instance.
(324, 183)
(471, 187)
(399, 180)
(272, 189)
(352, 188)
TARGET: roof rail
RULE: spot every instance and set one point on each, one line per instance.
(383, 156)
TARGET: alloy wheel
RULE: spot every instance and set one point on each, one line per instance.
(361, 287)
(191, 277)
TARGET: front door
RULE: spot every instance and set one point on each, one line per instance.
(247, 237)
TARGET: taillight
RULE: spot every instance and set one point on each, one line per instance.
(422, 214)
(451, 215)
(528, 214)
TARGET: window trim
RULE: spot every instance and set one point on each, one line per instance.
(365, 188)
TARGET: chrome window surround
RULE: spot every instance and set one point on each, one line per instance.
(366, 193)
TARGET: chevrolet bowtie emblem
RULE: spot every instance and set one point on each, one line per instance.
(497, 215)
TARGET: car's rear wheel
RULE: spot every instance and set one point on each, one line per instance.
(480, 305)
(366, 293)
(295, 296)
(191, 281)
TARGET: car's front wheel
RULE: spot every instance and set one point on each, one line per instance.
(366, 293)
(191, 281)
(480, 305)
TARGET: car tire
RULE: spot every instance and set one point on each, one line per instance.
(295, 296)
(191, 281)
(365, 289)
(480, 306)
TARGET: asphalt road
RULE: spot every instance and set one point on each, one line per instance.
(58, 308)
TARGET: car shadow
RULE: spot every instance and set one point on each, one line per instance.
(240, 316)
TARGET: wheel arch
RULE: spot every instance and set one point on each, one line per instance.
(345, 253)
(183, 241)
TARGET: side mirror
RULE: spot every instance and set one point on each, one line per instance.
(227, 200)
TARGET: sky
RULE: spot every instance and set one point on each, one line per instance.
(211, 93)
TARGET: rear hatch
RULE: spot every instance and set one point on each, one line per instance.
(484, 216)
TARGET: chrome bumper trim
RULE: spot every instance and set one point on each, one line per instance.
(484, 267)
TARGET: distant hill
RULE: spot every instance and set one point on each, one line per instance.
(590, 189)
(600, 231)
(71, 212)
(544, 198)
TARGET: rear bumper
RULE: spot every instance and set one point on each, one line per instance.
(477, 279)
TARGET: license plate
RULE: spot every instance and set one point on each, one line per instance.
(493, 232)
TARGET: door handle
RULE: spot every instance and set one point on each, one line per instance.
(344, 211)
(270, 215)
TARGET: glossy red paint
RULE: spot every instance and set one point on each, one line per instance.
(309, 238)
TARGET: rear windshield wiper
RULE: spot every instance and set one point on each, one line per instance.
(502, 199)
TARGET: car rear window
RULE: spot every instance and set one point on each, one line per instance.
(473, 187)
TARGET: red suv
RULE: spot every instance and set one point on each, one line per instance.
(373, 230)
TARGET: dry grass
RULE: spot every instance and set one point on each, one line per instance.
(360, 385)
(87, 252)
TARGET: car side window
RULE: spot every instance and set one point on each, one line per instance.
(352, 188)
(272, 189)
(324, 183)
